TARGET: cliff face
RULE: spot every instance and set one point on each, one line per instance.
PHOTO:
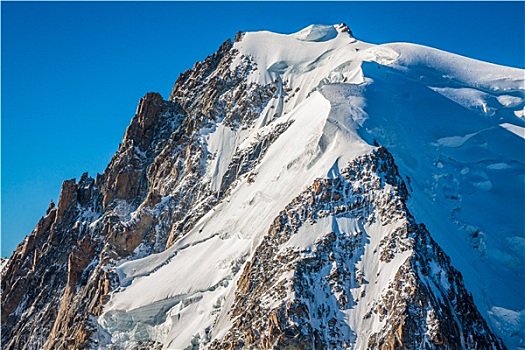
(55, 281)
(252, 209)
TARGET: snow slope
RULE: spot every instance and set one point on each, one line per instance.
(454, 132)
(453, 125)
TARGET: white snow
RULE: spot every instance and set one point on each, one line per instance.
(307, 235)
(312, 57)
(316, 33)
(515, 129)
(427, 106)
(433, 65)
(221, 144)
(520, 113)
(509, 101)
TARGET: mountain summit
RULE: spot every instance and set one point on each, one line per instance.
(302, 191)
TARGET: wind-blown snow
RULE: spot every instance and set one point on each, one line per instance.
(444, 68)
(295, 61)
(450, 123)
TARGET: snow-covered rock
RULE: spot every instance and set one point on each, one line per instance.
(305, 191)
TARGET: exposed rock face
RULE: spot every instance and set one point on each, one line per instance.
(50, 260)
(403, 295)
(151, 193)
(56, 279)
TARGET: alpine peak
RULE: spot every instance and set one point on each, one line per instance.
(294, 192)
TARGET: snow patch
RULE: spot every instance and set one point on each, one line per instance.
(520, 113)
(380, 54)
(515, 129)
(509, 101)
(454, 141)
(498, 166)
(221, 146)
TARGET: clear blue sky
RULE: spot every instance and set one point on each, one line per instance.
(73, 72)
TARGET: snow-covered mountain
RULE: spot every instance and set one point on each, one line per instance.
(303, 191)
